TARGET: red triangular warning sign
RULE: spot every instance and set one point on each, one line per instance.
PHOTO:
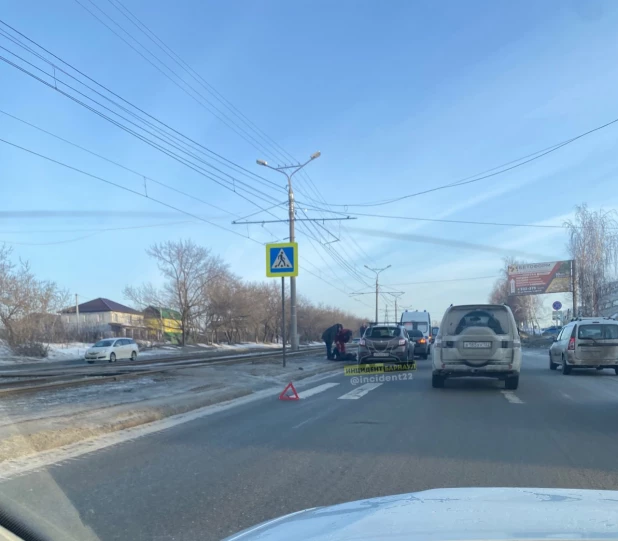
(285, 396)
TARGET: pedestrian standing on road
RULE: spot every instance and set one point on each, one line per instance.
(328, 336)
(363, 328)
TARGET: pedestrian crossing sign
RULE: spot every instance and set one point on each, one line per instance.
(282, 259)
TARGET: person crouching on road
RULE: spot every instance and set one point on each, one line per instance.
(328, 336)
(342, 338)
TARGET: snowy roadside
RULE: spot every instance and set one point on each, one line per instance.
(31, 424)
(76, 350)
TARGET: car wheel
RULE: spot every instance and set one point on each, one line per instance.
(616, 371)
(424, 356)
(511, 383)
(552, 364)
(437, 381)
(133, 355)
(112, 357)
(566, 369)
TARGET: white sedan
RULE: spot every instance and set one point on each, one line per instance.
(112, 349)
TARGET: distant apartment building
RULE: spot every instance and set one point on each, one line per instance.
(103, 317)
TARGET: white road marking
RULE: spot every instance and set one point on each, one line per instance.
(566, 395)
(314, 418)
(355, 394)
(316, 390)
(512, 397)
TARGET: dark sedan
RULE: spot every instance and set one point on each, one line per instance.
(421, 344)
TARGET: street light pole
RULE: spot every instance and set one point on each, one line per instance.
(377, 271)
(285, 171)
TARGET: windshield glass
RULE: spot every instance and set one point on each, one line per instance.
(598, 332)
(460, 319)
(416, 325)
(103, 344)
(383, 332)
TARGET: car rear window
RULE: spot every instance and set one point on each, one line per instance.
(383, 332)
(415, 334)
(459, 319)
(598, 331)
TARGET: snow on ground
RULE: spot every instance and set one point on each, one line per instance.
(76, 350)
(73, 400)
(63, 352)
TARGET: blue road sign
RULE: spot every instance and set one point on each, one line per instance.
(282, 259)
(557, 305)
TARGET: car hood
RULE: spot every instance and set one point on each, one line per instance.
(452, 515)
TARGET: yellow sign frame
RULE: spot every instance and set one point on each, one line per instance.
(294, 259)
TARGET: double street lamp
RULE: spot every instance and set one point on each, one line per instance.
(289, 171)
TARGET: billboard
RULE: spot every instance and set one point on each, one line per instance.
(538, 278)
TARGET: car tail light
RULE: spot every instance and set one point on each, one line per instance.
(437, 343)
(361, 342)
(516, 343)
(571, 344)
(402, 342)
(422, 341)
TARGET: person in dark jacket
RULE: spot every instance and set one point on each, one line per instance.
(329, 336)
(342, 338)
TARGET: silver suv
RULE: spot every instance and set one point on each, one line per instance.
(477, 340)
(588, 342)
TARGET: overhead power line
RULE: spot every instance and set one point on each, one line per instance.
(444, 281)
(111, 183)
(173, 132)
(170, 53)
(475, 178)
(194, 94)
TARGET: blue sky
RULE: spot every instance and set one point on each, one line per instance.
(399, 97)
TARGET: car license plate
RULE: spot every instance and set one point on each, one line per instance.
(477, 345)
(380, 354)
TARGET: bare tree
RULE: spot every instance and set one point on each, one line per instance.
(593, 244)
(189, 271)
(525, 308)
(28, 306)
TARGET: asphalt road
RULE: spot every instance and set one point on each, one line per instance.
(210, 477)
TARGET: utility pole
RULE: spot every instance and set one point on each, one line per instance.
(283, 317)
(77, 313)
(377, 271)
(574, 287)
(396, 294)
(285, 171)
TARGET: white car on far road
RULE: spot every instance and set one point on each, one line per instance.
(112, 349)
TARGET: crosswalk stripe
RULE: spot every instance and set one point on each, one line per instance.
(315, 390)
(355, 394)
